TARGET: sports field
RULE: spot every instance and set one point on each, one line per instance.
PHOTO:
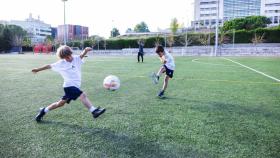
(213, 108)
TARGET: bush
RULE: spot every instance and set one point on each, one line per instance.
(271, 35)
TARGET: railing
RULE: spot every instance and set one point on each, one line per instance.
(199, 51)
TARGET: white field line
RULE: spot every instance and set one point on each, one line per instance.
(253, 70)
(196, 61)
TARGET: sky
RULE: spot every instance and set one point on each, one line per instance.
(101, 15)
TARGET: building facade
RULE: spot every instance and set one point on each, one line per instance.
(36, 29)
(73, 32)
(54, 32)
(271, 9)
(207, 11)
(240, 8)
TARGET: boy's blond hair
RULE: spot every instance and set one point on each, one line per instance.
(64, 51)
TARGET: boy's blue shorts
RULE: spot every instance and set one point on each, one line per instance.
(71, 93)
(168, 71)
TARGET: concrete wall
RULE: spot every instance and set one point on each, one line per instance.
(225, 50)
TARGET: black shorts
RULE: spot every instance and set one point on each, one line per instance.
(168, 72)
(71, 93)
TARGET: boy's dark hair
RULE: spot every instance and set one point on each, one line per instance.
(64, 51)
(159, 48)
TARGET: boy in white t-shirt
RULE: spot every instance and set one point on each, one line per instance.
(69, 67)
(168, 68)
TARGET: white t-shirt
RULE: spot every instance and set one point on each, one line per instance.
(170, 64)
(70, 71)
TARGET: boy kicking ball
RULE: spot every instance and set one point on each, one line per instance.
(168, 68)
(69, 67)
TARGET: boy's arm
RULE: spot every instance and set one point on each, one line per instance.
(162, 59)
(85, 51)
(41, 68)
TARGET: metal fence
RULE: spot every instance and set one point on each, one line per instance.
(200, 51)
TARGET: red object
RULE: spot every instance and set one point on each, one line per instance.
(41, 48)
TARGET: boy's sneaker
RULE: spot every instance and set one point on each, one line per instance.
(97, 112)
(40, 115)
(161, 93)
(155, 78)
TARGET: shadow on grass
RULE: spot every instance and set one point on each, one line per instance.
(229, 108)
(213, 106)
(122, 144)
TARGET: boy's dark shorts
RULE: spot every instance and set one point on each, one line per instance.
(168, 71)
(71, 93)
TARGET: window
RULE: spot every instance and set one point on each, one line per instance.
(272, 4)
(207, 3)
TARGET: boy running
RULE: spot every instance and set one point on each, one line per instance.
(69, 67)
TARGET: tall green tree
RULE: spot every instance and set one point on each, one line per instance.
(128, 30)
(49, 40)
(141, 27)
(174, 26)
(115, 32)
(1, 38)
(7, 38)
(17, 35)
(247, 23)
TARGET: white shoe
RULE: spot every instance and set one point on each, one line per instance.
(155, 78)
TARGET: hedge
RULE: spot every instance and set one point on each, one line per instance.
(271, 35)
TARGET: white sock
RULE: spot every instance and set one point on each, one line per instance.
(158, 75)
(92, 108)
(46, 110)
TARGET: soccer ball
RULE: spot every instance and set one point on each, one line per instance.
(111, 82)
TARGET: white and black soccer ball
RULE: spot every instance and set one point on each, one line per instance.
(111, 82)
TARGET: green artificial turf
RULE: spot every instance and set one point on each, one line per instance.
(213, 108)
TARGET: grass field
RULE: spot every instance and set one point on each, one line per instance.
(213, 108)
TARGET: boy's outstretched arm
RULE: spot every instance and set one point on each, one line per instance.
(85, 51)
(41, 68)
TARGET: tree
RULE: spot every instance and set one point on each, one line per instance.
(115, 32)
(96, 40)
(141, 27)
(49, 40)
(247, 23)
(174, 26)
(158, 40)
(17, 35)
(204, 39)
(26, 42)
(7, 38)
(258, 38)
(128, 30)
(185, 40)
(223, 37)
(170, 40)
(1, 37)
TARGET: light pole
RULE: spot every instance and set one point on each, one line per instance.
(217, 28)
(64, 36)
(233, 38)
(112, 33)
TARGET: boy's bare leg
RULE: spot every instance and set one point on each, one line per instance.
(52, 106)
(95, 111)
(86, 101)
(161, 71)
(165, 83)
(56, 105)
(164, 86)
